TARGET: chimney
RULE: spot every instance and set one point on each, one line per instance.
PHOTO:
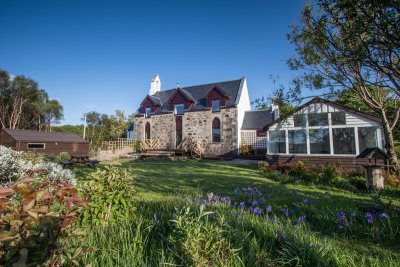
(177, 85)
(275, 108)
(155, 85)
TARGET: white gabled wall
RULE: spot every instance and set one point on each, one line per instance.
(242, 106)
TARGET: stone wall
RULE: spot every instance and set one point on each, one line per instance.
(197, 126)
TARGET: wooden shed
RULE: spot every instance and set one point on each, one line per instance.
(43, 142)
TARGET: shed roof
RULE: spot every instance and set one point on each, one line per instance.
(373, 153)
(36, 136)
(256, 119)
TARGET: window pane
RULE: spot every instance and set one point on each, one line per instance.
(33, 146)
(216, 138)
(338, 118)
(215, 105)
(343, 141)
(148, 112)
(367, 137)
(297, 142)
(318, 119)
(299, 120)
(278, 141)
(216, 130)
(319, 141)
(179, 109)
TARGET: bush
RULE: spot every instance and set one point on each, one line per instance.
(16, 165)
(34, 216)
(12, 166)
(197, 241)
(245, 149)
(110, 193)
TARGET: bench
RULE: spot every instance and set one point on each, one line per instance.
(66, 164)
(92, 163)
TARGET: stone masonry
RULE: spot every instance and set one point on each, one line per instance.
(197, 126)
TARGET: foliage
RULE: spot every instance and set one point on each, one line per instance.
(35, 216)
(110, 191)
(352, 45)
(136, 146)
(296, 172)
(269, 224)
(197, 241)
(14, 165)
(24, 105)
(245, 149)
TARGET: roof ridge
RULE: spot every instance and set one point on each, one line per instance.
(202, 84)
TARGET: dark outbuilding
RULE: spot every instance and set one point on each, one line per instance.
(43, 142)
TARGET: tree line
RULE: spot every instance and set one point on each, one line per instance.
(24, 105)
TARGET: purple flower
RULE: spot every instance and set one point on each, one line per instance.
(280, 234)
(254, 203)
(226, 200)
(242, 205)
(285, 211)
(269, 208)
(353, 214)
(306, 201)
(383, 215)
(257, 211)
(213, 216)
(368, 216)
(341, 216)
(300, 220)
(236, 191)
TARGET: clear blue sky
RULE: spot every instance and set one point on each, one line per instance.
(101, 55)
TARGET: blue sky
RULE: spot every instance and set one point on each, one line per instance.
(101, 55)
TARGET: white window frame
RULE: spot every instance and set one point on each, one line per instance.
(212, 105)
(44, 145)
(147, 114)
(329, 127)
(180, 105)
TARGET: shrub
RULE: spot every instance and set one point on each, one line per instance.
(110, 191)
(290, 168)
(34, 216)
(197, 241)
(12, 166)
(136, 146)
(264, 167)
(245, 149)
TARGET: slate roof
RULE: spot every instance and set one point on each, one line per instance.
(36, 136)
(198, 93)
(256, 119)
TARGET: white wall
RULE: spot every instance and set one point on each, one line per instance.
(243, 105)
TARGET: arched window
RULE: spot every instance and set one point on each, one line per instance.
(147, 131)
(216, 130)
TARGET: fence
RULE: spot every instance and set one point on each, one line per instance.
(121, 143)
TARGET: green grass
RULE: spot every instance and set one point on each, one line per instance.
(161, 185)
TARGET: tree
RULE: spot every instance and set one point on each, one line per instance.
(52, 113)
(15, 93)
(352, 45)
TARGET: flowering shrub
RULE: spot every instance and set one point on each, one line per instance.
(245, 149)
(15, 165)
(12, 165)
(34, 216)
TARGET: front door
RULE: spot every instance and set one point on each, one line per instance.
(178, 130)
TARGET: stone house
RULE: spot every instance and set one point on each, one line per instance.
(210, 115)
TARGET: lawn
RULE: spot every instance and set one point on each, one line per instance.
(305, 225)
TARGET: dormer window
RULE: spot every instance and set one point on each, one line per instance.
(179, 109)
(215, 105)
(148, 112)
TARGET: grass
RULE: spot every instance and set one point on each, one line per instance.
(150, 238)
